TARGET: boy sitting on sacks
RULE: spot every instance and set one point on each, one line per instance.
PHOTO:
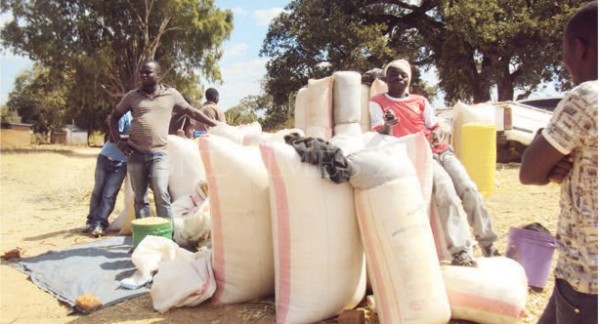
(399, 113)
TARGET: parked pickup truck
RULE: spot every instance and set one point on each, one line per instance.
(516, 124)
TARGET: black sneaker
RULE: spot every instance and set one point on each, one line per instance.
(490, 251)
(463, 259)
(97, 231)
(88, 228)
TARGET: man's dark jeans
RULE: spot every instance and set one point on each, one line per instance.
(568, 306)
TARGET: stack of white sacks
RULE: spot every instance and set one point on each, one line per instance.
(279, 228)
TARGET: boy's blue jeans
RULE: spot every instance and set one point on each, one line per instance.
(108, 177)
(150, 169)
(567, 305)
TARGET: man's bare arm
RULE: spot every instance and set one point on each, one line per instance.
(114, 132)
(540, 162)
(114, 125)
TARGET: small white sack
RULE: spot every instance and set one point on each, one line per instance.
(183, 282)
(191, 220)
(197, 227)
(154, 249)
(493, 292)
(147, 256)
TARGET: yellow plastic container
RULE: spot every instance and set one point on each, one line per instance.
(478, 143)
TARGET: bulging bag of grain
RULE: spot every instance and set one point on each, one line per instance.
(418, 151)
(378, 86)
(300, 109)
(351, 129)
(365, 114)
(401, 257)
(242, 134)
(346, 97)
(241, 238)
(319, 259)
(493, 292)
(185, 166)
(319, 101)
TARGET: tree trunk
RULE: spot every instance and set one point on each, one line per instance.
(480, 94)
(505, 92)
(505, 86)
(479, 86)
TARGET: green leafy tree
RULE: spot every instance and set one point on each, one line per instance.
(5, 114)
(261, 108)
(39, 100)
(243, 113)
(474, 45)
(98, 45)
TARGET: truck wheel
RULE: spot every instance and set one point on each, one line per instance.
(509, 152)
(503, 153)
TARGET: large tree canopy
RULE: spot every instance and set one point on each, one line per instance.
(97, 45)
(39, 101)
(474, 45)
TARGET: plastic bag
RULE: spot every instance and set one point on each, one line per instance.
(183, 282)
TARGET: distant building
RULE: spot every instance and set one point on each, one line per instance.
(16, 134)
(70, 135)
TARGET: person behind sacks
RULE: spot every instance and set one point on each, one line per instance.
(211, 108)
(566, 152)
(151, 106)
(111, 169)
(399, 113)
(181, 124)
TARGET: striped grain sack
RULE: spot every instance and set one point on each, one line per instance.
(241, 222)
(319, 259)
(493, 292)
(399, 245)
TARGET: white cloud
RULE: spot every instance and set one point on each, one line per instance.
(240, 80)
(254, 69)
(237, 49)
(264, 17)
(5, 18)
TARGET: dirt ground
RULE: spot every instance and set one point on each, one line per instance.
(45, 193)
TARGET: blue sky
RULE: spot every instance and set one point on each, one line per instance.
(241, 67)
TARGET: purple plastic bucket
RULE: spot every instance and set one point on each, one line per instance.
(533, 250)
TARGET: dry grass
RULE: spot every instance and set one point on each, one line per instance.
(44, 199)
